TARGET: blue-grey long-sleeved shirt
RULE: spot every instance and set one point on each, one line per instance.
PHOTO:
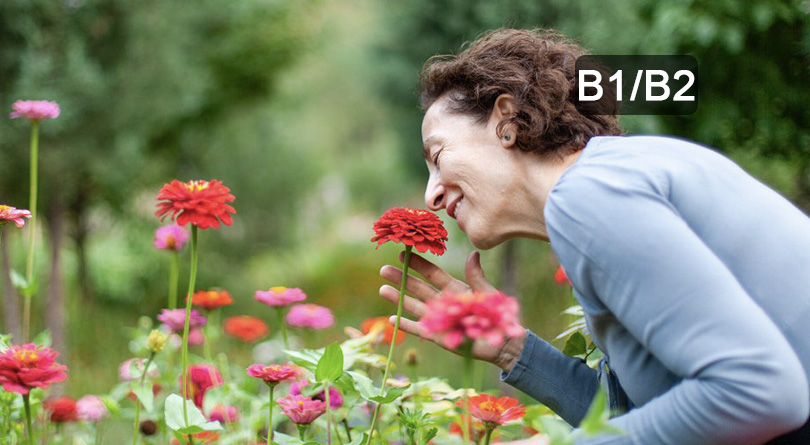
(694, 278)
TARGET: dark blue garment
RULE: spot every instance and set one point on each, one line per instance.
(694, 278)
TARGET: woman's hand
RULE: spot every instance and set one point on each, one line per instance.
(435, 280)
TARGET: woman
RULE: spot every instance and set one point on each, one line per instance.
(693, 276)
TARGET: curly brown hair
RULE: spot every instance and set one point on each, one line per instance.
(534, 66)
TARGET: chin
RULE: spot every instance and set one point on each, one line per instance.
(484, 242)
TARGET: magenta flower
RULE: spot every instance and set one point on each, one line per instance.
(310, 316)
(273, 374)
(196, 337)
(175, 319)
(301, 410)
(35, 110)
(224, 414)
(91, 409)
(201, 378)
(490, 316)
(13, 214)
(132, 369)
(280, 296)
(171, 237)
(335, 396)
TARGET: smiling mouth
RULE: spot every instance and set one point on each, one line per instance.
(452, 209)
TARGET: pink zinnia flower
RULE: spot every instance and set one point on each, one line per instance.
(13, 214)
(472, 315)
(176, 318)
(224, 414)
(201, 378)
(29, 366)
(171, 237)
(35, 110)
(280, 296)
(492, 410)
(301, 410)
(196, 337)
(91, 408)
(273, 374)
(132, 369)
(310, 316)
(335, 396)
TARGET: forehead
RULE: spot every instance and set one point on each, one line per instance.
(440, 121)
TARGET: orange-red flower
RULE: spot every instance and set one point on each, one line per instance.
(412, 227)
(62, 409)
(201, 203)
(475, 429)
(29, 366)
(211, 299)
(382, 326)
(560, 277)
(245, 328)
(492, 410)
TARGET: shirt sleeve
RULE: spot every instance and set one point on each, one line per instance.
(565, 384)
(625, 247)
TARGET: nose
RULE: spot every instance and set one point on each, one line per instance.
(435, 194)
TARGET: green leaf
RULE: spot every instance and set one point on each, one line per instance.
(359, 440)
(389, 396)
(575, 345)
(173, 412)
(330, 366)
(431, 433)
(5, 342)
(145, 395)
(364, 385)
(596, 420)
(43, 339)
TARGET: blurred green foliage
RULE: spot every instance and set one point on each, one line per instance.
(308, 110)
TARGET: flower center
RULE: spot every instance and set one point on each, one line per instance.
(272, 368)
(3, 208)
(26, 356)
(278, 289)
(490, 406)
(196, 186)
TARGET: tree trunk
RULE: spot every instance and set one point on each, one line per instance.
(55, 315)
(10, 299)
(81, 229)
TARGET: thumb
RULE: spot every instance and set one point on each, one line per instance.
(475, 274)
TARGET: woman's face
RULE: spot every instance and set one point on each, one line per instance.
(472, 174)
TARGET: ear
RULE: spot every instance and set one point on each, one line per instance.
(503, 109)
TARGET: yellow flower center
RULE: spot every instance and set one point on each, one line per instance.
(272, 368)
(3, 208)
(26, 356)
(278, 289)
(490, 406)
(301, 404)
(196, 186)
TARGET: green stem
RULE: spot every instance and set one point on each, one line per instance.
(138, 401)
(302, 430)
(405, 263)
(32, 225)
(174, 273)
(282, 326)
(184, 354)
(488, 436)
(346, 427)
(27, 405)
(270, 416)
(328, 413)
(468, 370)
(207, 338)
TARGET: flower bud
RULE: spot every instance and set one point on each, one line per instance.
(148, 427)
(156, 340)
(412, 357)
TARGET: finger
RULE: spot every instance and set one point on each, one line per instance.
(411, 327)
(410, 304)
(475, 274)
(434, 274)
(414, 286)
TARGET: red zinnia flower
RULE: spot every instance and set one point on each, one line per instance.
(62, 409)
(412, 227)
(475, 429)
(491, 316)
(380, 325)
(29, 366)
(492, 410)
(273, 374)
(13, 214)
(201, 378)
(211, 299)
(201, 203)
(560, 277)
(245, 328)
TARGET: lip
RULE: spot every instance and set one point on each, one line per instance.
(451, 208)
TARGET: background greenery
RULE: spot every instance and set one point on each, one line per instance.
(308, 111)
